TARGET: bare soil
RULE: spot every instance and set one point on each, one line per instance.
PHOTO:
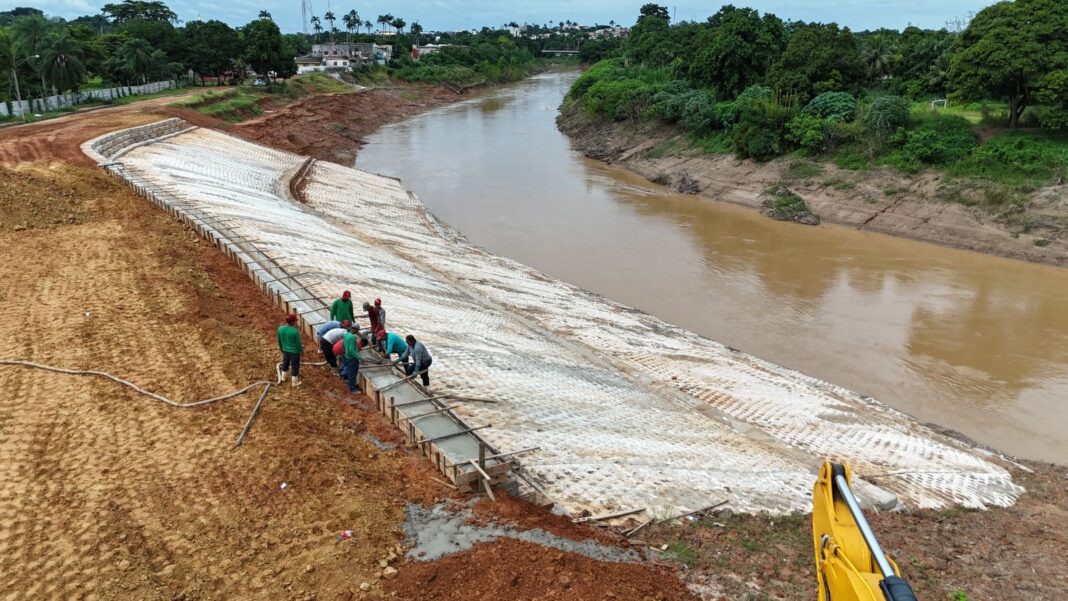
(919, 207)
(106, 494)
(332, 127)
(1013, 553)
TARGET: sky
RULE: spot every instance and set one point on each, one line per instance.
(448, 15)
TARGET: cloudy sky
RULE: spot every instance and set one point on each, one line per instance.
(464, 14)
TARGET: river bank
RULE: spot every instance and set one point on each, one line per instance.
(927, 206)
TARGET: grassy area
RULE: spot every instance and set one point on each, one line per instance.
(244, 102)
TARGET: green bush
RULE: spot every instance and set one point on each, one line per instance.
(761, 131)
(1017, 156)
(699, 115)
(729, 111)
(1054, 119)
(809, 132)
(941, 141)
(836, 106)
(887, 114)
(619, 100)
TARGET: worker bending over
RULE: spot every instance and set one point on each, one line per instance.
(329, 338)
(391, 343)
(351, 363)
(342, 308)
(290, 344)
(421, 360)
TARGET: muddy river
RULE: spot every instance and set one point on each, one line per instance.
(975, 343)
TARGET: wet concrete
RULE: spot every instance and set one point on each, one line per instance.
(971, 342)
(437, 531)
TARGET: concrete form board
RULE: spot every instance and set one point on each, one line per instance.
(628, 410)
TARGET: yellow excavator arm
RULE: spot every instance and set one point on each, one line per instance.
(850, 564)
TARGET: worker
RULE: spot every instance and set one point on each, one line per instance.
(351, 361)
(327, 340)
(381, 313)
(290, 344)
(327, 326)
(390, 343)
(421, 359)
(374, 316)
(342, 308)
(339, 353)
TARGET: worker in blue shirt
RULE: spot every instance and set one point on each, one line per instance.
(392, 343)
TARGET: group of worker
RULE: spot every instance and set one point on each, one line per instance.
(341, 339)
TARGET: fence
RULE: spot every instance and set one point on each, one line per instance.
(12, 108)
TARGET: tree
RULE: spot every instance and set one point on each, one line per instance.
(352, 22)
(30, 32)
(879, 55)
(138, 59)
(398, 24)
(656, 11)
(265, 15)
(61, 61)
(266, 50)
(330, 18)
(214, 47)
(317, 27)
(1013, 50)
(416, 30)
(741, 47)
(385, 20)
(140, 9)
(818, 58)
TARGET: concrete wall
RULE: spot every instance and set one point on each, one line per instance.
(53, 103)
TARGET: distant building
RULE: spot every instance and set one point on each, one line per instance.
(342, 56)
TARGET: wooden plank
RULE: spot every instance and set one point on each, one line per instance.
(608, 516)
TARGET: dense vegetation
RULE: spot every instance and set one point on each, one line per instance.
(490, 56)
(761, 87)
(130, 43)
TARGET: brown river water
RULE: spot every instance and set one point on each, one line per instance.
(975, 343)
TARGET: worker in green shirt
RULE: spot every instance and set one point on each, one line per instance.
(350, 363)
(290, 344)
(342, 308)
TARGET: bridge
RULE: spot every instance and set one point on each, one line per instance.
(559, 52)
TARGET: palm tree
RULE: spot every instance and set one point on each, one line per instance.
(317, 27)
(369, 25)
(879, 55)
(265, 15)
(385, 20)
(352, 22)
(416, 30)
(330, 18)
(137, 58)
(62, 61)
(30, 32)
(398, 24)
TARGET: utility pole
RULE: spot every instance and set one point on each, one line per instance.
(18, 95)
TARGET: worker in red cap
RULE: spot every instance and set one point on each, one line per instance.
(342, 308)
(375, 317)
(381, 314)
(290, 344)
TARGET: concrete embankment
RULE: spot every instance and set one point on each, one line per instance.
(627, 411)
(881, 200)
